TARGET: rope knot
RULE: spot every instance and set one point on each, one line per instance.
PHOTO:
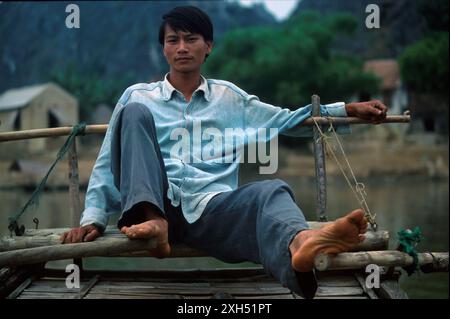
(79, 129)
(408, 240)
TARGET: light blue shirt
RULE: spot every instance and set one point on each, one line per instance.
(193, 180)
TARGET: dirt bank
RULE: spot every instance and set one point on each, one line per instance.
(366, 160)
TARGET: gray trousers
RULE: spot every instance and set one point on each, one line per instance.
(255, 222)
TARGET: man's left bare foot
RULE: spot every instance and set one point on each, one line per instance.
(339, 236)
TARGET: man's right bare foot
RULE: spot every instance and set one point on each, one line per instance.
(156, 227)
(340, 236)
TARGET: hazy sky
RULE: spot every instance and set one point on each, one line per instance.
(279, 8)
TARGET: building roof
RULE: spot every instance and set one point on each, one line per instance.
(19, 97)
(387, 70)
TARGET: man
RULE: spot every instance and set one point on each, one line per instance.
(192, 199)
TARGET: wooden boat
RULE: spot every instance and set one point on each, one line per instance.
(23, 271)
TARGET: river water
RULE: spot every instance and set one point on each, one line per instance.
(399, 203)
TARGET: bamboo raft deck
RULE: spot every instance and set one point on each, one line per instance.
(251, 283)
(23, 274)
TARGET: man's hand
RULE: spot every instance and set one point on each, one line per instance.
(80, 234)
(372, 111)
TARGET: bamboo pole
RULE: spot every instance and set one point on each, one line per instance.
(387, 258)
(114, 231)
(109, 247)
(101, 128)
(74, 189)
(319, 160)
(41, 245)
(50, 132)
(378, 240)
(355, 120)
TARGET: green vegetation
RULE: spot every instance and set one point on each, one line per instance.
(90, 89)
(287, 64)
(424, 64)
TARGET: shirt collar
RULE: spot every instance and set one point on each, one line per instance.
(168, 88)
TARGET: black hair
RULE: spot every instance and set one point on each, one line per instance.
(188, 19)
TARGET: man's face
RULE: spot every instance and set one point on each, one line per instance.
(184, 51)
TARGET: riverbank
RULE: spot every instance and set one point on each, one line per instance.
(368, 160)
(373, 160)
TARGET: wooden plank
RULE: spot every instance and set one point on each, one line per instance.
(177, 285)
(343, 297)
(362, 281)
(54, 285)
(338, 281)
(130, 296)
(339, 291)
(6, 272)
(211, 279)
(16, 278)
(334, 297)
(264, 284)
(193, 288)
(187, 275)
(86, 288)
(54, 288)
(189, 291)
(46, 295)
(21, 288)
(280, 296)
(163, 285)
(47, 289)
(389, 289)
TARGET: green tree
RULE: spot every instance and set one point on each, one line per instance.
(285, 65)
(90, 89)
(424, 64)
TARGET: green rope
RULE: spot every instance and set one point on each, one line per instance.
(408, 240)
(78, 129)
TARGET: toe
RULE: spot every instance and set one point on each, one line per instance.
(364, 222)
(357, 217)
(363, 229)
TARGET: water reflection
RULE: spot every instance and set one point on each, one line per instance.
(398, 203)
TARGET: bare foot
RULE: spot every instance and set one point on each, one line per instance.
(156, 227)
(340, 236)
